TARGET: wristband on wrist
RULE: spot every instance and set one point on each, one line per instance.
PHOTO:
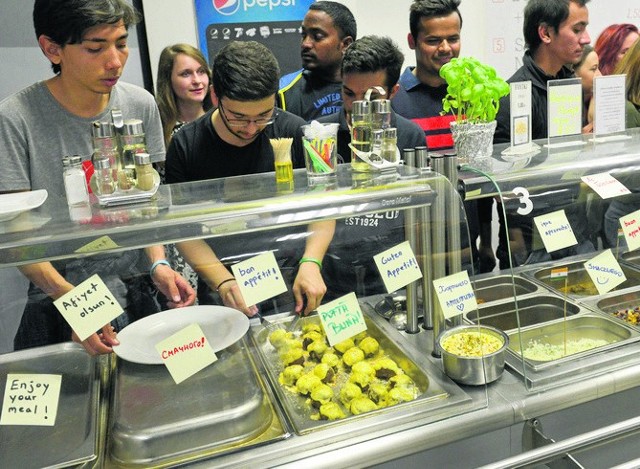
(156, 264)
(318, 262)
(230, 279)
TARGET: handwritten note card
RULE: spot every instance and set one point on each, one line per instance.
(631, 228)
(605, 185)
(186, 352)
(455, 294)
(31, 399)
(555, 231)
(103, 243)
(88, 307)
(398, 266)
(342, 318)
(259, 278)
(564, 107)
(605, 272)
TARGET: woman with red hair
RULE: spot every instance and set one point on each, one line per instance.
(613, 43)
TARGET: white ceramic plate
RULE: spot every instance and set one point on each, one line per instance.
(12, 205)
(222, 327)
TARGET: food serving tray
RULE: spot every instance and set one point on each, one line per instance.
(298, 410)
(623, 306)
(578, 281)
(222, 408)
(73, 438)
(502, 287)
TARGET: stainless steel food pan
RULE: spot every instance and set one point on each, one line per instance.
(221, 408)
(579, 284)
(72, 440)
(502, 287)
(590, 326)
(531, 311)
(618, 305)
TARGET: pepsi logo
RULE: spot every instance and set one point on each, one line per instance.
(226, 7)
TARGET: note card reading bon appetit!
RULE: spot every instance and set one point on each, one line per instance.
(455, 294)
(398, 266)
(88, 307)
(31, 399)
(631, 228)
(259, 278)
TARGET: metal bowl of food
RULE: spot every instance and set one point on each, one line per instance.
(473, 354)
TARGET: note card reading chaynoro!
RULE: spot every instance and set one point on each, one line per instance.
(455, 294)
(31, 399)
(88, 307)
(259, 278)
(398, 266)
(186, 352)
(555, 231)
(342, 318)
(631, 228)
(605, 272)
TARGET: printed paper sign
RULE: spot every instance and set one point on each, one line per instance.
(88, 307)
(186, 352)
(631, 228)
(610, 95)
(605, 272)
(455, 294)
(398, 266)
(31, 399)
(555, 231)
(605, 185)
(342, 318)
(564, 107)
(259, 278)
(520, 103)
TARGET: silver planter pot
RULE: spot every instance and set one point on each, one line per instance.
(474, 143)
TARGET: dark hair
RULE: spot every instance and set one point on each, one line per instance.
(66, 21)
(245, 71)
(165, 95)
(609, 43)
(342, 17)
(371, 54)
(430, 9)
(549, 12)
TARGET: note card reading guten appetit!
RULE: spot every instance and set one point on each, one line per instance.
(31, 399)
(259, 278)
(398, 266)
(342, 318)
(186, 352)
(605, 272)
(88, 307)
(555, 231)
(455, 294)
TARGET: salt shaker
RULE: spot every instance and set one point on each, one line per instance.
(75, 183)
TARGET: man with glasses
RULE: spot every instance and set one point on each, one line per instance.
(234, 140)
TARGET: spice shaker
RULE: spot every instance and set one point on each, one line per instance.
(75, 182)
(144, 172)
(133, 141)
(381, 113)
(361, 135)
(103, 176)
(390, 145)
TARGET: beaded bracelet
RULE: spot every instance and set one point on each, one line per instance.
(318, 262)
(156, 264)
(230, 279)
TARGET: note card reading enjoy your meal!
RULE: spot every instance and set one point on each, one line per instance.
(605, 272)
(555, 231)
(631, 228)
(186, 352)
(31, 399)
(88, 307)
(259, 278)
(455, 294)
(342, 318)
(398, 266)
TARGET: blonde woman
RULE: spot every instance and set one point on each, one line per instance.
(183, 95)
(629, 65)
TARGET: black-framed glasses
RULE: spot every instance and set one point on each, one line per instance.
(243, 122)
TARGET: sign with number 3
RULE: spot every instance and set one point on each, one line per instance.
(525, 200)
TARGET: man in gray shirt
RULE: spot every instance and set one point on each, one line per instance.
(86, 43)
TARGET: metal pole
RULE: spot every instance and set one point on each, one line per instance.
(410, 219)
(438, 263)
(424, 238)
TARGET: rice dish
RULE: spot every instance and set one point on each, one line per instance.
(544, 352)
(471, 344)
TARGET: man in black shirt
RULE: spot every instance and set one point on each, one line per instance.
(233, 140)
(327, 30)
